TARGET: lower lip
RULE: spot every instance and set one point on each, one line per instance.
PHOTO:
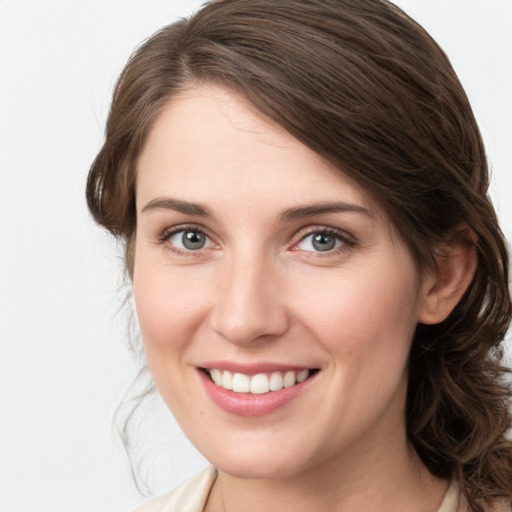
(248, 404)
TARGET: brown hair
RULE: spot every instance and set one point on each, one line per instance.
(367, 88)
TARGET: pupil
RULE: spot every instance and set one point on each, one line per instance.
(323, 242)
(193, 240)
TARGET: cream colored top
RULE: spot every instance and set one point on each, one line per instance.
(192, 494)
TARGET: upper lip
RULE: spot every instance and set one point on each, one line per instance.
(253, 368)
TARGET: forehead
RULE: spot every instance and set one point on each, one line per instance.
(209, 142)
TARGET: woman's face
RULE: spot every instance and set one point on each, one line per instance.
(261, 266)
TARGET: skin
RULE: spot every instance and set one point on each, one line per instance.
(260, 291)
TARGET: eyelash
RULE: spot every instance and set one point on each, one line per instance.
(347, 241)
(165, 237)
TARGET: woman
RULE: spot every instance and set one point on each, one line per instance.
(319, 276)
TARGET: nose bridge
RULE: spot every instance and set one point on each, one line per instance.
(248, 305)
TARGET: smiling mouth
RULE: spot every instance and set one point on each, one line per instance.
(260, 383)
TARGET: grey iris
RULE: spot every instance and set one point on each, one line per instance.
(193, 240)
(323, 242)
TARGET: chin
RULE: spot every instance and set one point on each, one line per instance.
(259, 468)
(260, 460)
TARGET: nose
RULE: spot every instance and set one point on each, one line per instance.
(249, 306)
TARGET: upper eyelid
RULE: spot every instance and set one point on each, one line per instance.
(300, 235)
(348, 241)
(165, 239)
(305, 232)
(184, 227)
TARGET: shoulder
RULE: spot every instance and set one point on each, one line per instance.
(499, 505)
(190, 496)
(454, 501)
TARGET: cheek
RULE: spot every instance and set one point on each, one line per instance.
(364, 318)
(168, 308)
(167, 311)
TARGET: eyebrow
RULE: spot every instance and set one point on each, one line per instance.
(322, 208)
(167, 203)
(189, 208)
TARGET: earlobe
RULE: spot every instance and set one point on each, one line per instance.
(456, 266)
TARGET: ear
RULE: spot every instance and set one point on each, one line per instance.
(457, 260)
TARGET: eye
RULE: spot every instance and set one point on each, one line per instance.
(188, 239)
(322, 241)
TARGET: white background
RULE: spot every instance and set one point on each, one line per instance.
(63, 365)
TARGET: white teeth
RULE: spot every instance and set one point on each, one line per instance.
(227, 380)
(276, 381)
(241, 383)
(257, 384)
(216, 376)
(302, 375)
(289, 379)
